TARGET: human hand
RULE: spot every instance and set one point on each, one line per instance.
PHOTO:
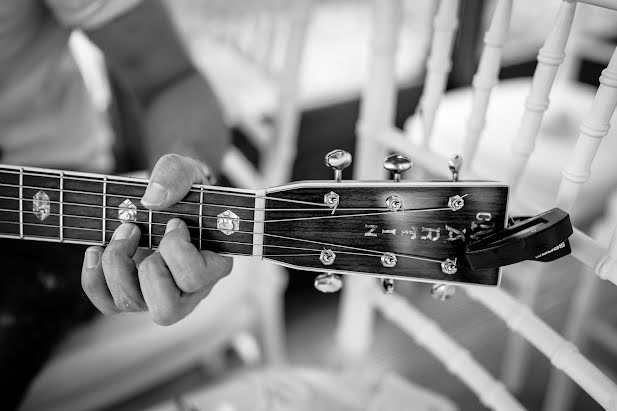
(168, 283)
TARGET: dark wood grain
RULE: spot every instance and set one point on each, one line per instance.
(88, 212)
(359, 241)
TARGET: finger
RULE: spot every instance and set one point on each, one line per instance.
(187, 266)
(166, 303)
(93, 281)
(171, 180)
(217, 265)
(120, 271)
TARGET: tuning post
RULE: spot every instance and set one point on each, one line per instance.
(394, 203)
(328, 283)
(387, 285)
(456, 202)
(327, 257)
(397, 164)
(448, 266)
(454, 164)
(331, 199)
(442, 291)
(338, 160)
(388, 260)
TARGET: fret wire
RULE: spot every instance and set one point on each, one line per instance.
(61, 206)
(150, 228)
(364, 251)
(21, 203)
(104, 208)
(201, 208)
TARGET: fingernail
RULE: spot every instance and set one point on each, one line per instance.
(172, 224)
(123, 231)
(92, 257)
(155, 195)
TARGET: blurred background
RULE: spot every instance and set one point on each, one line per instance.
(246, 50)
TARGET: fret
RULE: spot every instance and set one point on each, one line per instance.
(124, 205)
(21, 203)
(40, 193)
(82, 208)
(215, 203)
(104, 223)
(61, 207)
(150, 229)
(201, 214)
(187, 210)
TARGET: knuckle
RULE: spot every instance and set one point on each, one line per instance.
(192, 281)
(108, 258)
(172, 162)
(148, 265)
(126, 303)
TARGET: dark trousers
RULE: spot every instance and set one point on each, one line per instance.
(41, 300)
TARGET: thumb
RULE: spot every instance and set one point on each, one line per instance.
(171, 179)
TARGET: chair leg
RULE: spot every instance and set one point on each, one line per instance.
(516, 351)
(560, 391)
(273, 281)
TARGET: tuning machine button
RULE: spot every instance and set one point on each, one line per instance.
(442, 291)
(397, 164)
(338, 160)
(328, 282)
(454, 164)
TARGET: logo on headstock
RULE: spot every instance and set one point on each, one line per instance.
(480, 227)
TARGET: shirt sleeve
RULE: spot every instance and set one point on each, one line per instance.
(89, 14)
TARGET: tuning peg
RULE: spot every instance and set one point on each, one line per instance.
(397, 164)
(328, 282)
(442, 291)
(454, 164)
(387, 285)
(338, 160)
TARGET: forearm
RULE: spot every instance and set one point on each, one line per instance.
(180, 112)
(186, 118)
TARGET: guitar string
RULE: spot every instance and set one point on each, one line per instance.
(118, 208)
(365, 252)
(191, 191)
(143, 184)
(197, 204)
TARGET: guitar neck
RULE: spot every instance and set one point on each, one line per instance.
(84, 208)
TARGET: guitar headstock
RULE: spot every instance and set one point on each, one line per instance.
(388, 229)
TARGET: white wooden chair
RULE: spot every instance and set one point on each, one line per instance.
(421, 140)
(137, 352)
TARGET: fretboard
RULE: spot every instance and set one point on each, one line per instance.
(83, 208)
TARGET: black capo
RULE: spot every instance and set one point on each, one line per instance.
(540, 238)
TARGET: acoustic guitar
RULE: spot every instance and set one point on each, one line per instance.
(387, 229)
